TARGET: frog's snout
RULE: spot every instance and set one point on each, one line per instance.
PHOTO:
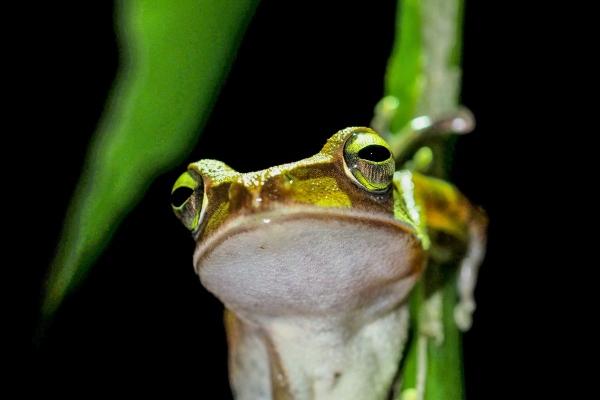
(242, 197)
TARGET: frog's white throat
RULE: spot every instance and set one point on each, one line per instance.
(307, 260)
(319, 299)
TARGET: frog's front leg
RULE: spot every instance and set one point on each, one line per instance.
(447, 213)
(451, 228)
(468, 270)
(250, 374)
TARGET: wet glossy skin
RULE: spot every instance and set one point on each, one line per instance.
(312, 260)
(321, 180)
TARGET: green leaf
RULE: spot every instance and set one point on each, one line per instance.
(175, 57)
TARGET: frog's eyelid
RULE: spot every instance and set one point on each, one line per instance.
(195, 175)
(200, 215)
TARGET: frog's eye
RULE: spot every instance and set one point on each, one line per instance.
(369, 161)
(186, 199)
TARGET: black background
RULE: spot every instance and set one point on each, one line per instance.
(141, 323)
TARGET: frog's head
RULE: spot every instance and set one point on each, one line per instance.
(308, 236)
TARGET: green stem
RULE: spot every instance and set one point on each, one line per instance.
(434, 354)
(424, 77)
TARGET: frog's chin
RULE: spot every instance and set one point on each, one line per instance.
(309, 260)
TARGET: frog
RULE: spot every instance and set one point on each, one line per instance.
(314, 262)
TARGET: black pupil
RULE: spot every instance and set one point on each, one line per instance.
(374, 153)
(180, 195)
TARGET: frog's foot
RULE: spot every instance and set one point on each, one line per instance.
(407, 139)
(457, 122)
(463, 314)
(431, 323)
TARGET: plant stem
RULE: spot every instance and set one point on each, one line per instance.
(424, 69)
(424, 76)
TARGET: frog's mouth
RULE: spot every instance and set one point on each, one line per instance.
(307, 259)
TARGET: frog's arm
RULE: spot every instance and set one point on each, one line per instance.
(248, 360)
(445, 212)
(444, 216)
(254, 363)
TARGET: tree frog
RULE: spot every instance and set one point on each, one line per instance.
(314, 261)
